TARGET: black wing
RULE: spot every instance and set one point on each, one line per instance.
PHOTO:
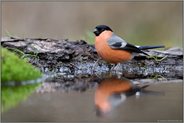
(116, 42)
(132, 48)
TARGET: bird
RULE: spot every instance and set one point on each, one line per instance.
(113, 91)
(114, 49)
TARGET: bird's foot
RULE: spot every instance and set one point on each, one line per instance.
(95, 64)
(116, 67)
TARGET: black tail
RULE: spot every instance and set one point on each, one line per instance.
(150, 47)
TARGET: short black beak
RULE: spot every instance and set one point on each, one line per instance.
(96, 32)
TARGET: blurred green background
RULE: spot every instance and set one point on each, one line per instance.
(141, 23)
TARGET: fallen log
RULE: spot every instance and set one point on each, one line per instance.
(78, 58)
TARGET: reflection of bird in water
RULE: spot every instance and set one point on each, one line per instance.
(112, 92)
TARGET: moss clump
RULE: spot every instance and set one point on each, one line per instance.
(16, 69)
(11, 96)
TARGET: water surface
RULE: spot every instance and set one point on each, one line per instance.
(157, 102)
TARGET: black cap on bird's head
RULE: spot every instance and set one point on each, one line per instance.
(100, 28)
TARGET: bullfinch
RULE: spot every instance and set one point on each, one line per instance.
(113, 48)
(111, 92)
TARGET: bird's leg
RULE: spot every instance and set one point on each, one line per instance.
(113, 66)
(95, 64)
(118, 70)
(116, 67)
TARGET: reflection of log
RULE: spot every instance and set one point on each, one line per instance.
(78, 58)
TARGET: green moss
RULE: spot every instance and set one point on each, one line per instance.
(11, 96)
(16, 69)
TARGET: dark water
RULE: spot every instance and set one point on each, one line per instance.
(111, 100)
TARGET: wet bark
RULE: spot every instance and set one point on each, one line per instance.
(78, 58)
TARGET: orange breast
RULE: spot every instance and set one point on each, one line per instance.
(106, 89)
(108, 54)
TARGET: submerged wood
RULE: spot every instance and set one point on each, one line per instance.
(78, 58)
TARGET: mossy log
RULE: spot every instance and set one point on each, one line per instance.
(78, 58)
